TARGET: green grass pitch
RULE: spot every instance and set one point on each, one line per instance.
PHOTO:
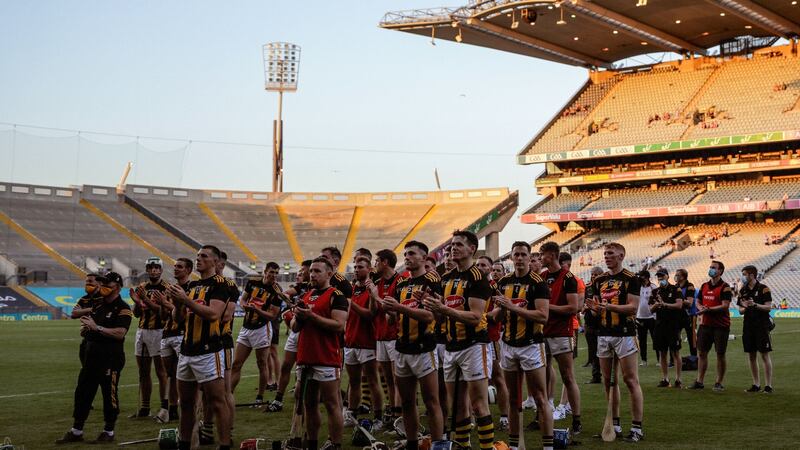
(39, 367)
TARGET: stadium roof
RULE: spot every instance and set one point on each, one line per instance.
(597, 33)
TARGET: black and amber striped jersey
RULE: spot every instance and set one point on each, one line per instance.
(113, 314)
(88, 301)
(227, 325)
(150, 319)
(457, 289)
(340, 282)
(172, 327)
(614, 290)
(204, 336)
(523, 292)
(414, 337)
(260, 296)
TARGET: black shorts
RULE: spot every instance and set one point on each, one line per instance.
(756, 339)
(716, 336)
(276, 327)
(666, 339)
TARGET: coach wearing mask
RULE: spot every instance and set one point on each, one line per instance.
(104, 329)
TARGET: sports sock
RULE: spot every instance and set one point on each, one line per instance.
(576, 419)
(311, 445)
(259, 398)
(462, 432)
(164, 403)
(485, 431)
(208, 429)
(636, 426)
(547, 442)
(366, 398)
(109, 428)
(77, 431)
(279, 396)
(513, 440)
(412, 444)
(184, 445)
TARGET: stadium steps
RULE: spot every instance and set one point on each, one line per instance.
(289, 232)
(180, 235)
(30, 296)
(41, 245)
(697, 197)
(415, 229)
(158, 226)
(126, 231)
(352, 234)
(696, 99)
(584, 124)
(787, 250)
(228, 232)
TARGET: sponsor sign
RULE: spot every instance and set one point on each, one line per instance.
(679, 210)
(24, 317)
(793, 313)
(67, 296)
(744, 139)
(9, 298)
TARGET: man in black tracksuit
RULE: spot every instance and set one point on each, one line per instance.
(104, 329)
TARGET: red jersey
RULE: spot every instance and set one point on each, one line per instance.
(561, 283)
(359, 332)
(494, 329)
(711, 296)
(385, 331)
(317, 346)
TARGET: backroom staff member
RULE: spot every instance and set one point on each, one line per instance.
(755, 301)
(84, 306)
(104, 329)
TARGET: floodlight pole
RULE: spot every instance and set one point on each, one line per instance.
(277, 148)
(281, 69)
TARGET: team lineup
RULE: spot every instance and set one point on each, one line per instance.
(451, 341)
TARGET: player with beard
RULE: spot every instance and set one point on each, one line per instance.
(616, 301)
(294, 293)
(148, 339)
(320, 320)
(416, 343)
(485, 264)
(523, 302)
(558, 332)
(359, 353)
(200, 363)
(261, 303)
(386, 279)
(173, 333)
(465, 292)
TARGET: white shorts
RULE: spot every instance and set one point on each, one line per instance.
(171, 346)
(319, 373)
(440, 355)
(385, 351)
(356, 356)
(291, 342)
(258, 338)
(201, 368)
(148, 342)
(559, 345)
(622, 346)
(418, 366)
(473, 363)
(527, 358)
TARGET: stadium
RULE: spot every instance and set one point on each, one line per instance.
(690, 158)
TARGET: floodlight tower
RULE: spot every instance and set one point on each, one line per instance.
(281, 71)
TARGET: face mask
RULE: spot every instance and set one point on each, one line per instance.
(105, 291)
(91, 289)
(663, 283)
(712, 272)
(744, 279)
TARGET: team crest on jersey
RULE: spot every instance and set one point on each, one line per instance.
(454, 301)
(411, 303)
(521, 302)
(610, 293)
